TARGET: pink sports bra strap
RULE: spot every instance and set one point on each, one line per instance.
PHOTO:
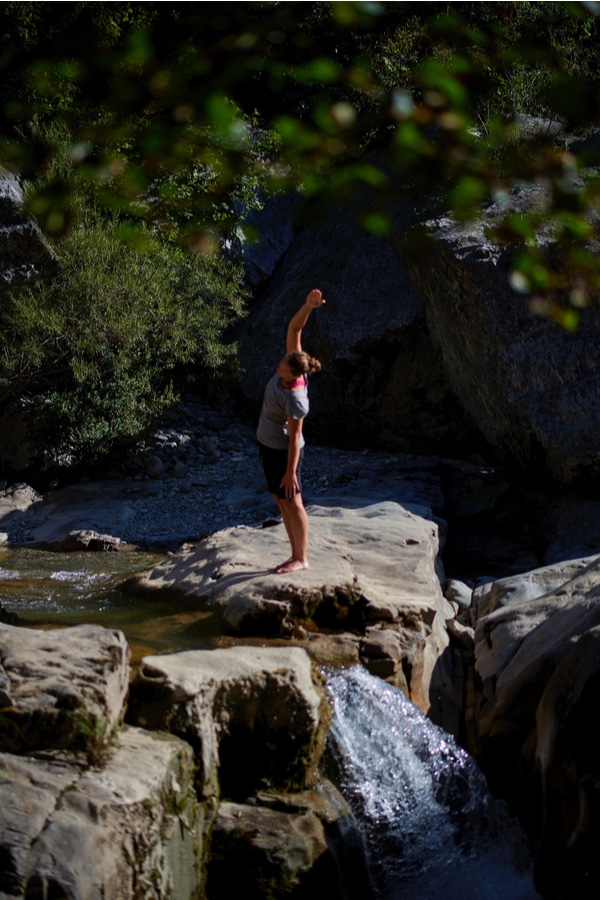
(299, 382)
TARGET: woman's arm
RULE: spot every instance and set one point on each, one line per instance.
(289, 480)
(297, 323)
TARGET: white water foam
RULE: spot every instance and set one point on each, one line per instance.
(430, 826)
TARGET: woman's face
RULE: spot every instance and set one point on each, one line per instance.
(285, 373)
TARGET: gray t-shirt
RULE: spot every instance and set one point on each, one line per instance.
(279, 405)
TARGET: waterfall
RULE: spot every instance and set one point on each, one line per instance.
(430, 826)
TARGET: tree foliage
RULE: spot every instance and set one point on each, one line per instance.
(173, 101)
(97, 349)
(173, 116)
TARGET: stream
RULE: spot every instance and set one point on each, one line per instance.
(47, 589)
(430, 827)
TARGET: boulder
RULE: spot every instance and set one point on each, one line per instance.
(534, 694)
(24, 252)
(253, 715)
(87, 539)
(383, 381)
(61, 689)
(369, 564)
(531, 387)
(296, 845)
(266, 235)
(133, 829)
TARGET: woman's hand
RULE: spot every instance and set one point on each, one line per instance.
(290, 483)
(315, 299)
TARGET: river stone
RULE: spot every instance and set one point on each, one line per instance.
(535, 694)
(376, 563)
(89, 540)
(394, 654)
(253, 714)
(531, 387)
(62, 689)
(130, 830)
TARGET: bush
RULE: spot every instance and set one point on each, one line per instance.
(95, 348)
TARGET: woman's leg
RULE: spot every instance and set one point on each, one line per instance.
(295, 520)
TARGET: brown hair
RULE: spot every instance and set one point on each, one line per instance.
(301, 363)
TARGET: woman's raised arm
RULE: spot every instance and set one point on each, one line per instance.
(294, 332)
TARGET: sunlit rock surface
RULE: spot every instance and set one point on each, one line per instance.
(369, 565)
(132, 828)
(61, 689)
(535, 695)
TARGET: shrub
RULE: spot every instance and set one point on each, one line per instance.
(95, 348)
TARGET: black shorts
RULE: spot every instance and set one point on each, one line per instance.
(275, 466)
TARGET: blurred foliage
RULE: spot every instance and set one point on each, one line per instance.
(176, 117)
(182, 113)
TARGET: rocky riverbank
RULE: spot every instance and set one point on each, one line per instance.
(427, 571)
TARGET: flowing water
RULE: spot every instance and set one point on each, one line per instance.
(431, 829)
(56, 589)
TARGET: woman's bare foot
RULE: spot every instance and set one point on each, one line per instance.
(291, 565)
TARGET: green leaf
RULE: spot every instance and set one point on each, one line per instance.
(317, 71)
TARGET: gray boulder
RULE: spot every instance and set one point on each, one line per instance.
(383, 381)
(531, 387)
(534, 695)
(61, 689)
(254, 715)
(133, 828)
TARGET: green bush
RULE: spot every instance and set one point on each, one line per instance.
(96, 347)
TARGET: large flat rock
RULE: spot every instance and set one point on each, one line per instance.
(375, 564)
(372, 563)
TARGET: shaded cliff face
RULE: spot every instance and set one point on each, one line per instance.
(430, 352)
(532, 388)
(383, 382)
(533, 699)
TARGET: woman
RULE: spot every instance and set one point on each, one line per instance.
(280, 437)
